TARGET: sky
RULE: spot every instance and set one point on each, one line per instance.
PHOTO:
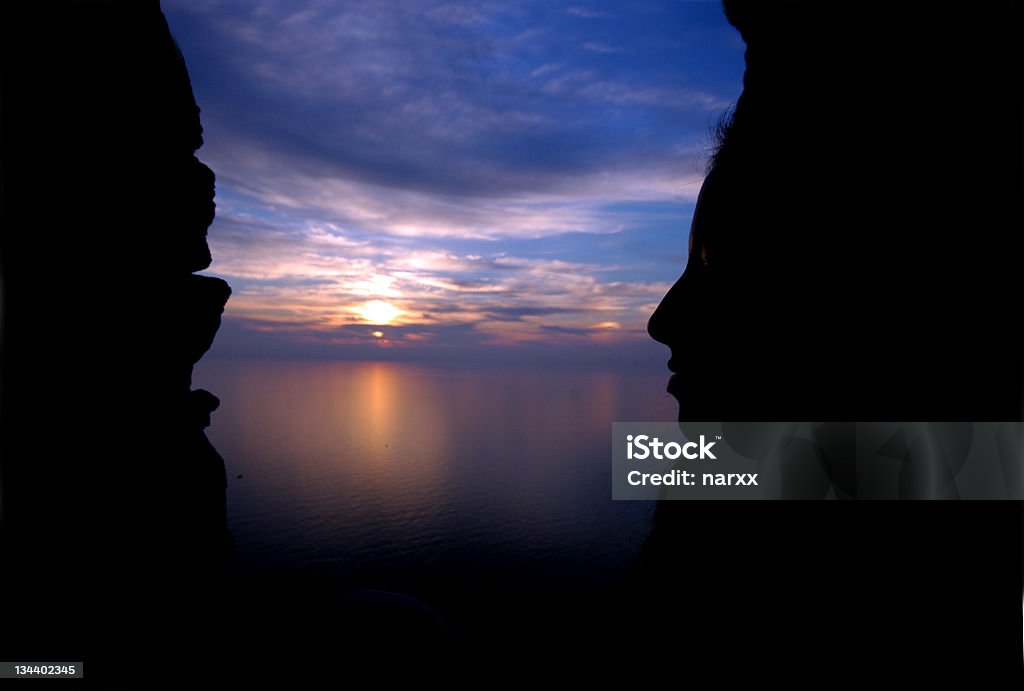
(415, 179)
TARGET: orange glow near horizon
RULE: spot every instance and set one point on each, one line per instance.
(401, 308)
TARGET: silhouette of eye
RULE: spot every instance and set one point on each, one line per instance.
(703, 249)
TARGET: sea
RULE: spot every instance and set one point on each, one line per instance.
(461, 485)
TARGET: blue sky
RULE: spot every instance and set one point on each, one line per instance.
(411, 178)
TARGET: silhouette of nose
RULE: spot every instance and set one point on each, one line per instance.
(655, 327)
(663, 322)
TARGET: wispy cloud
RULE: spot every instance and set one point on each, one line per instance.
(587, 13)
(325, 281)
(509, 204)
(464, 163)
(601, 47)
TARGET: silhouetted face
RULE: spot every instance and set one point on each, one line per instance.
(677, 322)
(721, 317)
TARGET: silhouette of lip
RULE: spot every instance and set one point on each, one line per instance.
(675, 385)
(675, 382)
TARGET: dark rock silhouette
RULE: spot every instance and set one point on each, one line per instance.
(115, 540)
(856, 256)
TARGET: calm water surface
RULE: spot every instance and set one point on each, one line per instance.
(397, 476)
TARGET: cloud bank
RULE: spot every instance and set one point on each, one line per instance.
(493, 173)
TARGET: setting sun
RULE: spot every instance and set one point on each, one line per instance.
(378, 312)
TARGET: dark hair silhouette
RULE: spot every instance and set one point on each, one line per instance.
(719, 139)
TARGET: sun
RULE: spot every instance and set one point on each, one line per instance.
(378, 312)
